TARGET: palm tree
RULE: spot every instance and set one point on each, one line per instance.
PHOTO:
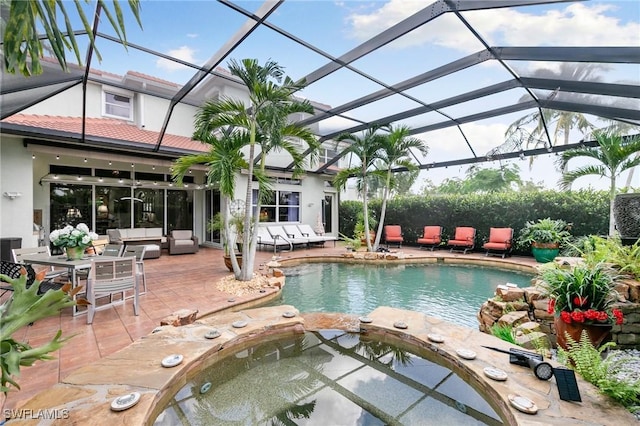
(22, 45)
(394, 152)
(366, 149)
(615, 154)
(224, 160)
(563, 121)
(265, 123)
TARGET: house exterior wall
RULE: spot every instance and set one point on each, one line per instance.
(22, 173)
(16, 176)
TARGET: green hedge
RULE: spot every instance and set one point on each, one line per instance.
(587, 210)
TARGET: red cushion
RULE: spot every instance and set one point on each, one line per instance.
(500, 235)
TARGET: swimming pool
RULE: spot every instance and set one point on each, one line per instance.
(329, 377)
(450, 292)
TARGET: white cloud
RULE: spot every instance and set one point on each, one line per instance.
(184, 53)
(192, 35)
(575, 25)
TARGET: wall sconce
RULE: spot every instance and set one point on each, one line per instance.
(12, 195)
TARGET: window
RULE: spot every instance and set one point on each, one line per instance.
(282, 206)
(118, 105)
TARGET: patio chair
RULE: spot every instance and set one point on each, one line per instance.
(265, 238)
(138, 251)
(431, 237)
(42, 251)
(114, 250)
(500, 241)
(277, 231)
(463, 240)
(12, 270)
(307, 231)
(392, 234)
(182, 241)
(109, 277)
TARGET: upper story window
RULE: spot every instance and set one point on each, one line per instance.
(117, 105)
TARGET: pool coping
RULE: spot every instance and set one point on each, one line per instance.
(85, 395)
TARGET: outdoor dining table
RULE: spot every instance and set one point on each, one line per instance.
(72, 265)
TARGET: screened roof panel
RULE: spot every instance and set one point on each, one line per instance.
(571, 55)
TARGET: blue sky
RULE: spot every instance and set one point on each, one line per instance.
(195, 30)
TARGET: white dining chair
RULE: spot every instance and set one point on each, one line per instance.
(109, 277)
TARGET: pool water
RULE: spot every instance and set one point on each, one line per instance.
(450, 292)
(329, 377)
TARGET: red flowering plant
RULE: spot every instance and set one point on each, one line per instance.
(581, 294)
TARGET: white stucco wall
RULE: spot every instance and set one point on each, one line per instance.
(16, 216)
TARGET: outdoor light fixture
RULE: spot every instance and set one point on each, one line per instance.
(33, 156)
(12, 195)
(57, 157)
(85, 160)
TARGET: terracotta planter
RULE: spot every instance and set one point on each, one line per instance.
(545, 252)
(74, 253)
(227, 261)
(598, 333)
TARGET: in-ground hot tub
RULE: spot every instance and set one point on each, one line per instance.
(328, 377)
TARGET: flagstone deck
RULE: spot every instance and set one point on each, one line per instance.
(174, 283)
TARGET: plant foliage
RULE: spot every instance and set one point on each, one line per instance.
(24, 307)
(588, 361)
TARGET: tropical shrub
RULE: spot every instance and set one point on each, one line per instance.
(604, 373)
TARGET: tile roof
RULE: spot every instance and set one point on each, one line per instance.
(104, 128)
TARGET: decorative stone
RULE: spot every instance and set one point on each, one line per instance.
(172, 360)
(366, 320)
(181, 317)
(523, 404)
(466, 353)
(239, 324)
(289, 314)
(205, 387)
(435, 338)
(212, 334)
(514, 319)
(400, 324)
(125, 402)
(495, 374)
(231, 300)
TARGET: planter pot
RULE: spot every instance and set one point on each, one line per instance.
(227, 261)
(545, 252)
(626, 213)
(74, 253)
(598, 333)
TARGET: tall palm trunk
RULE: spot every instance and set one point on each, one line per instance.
(365, 205)
(383, 209)
(612, 196)
(248, 247)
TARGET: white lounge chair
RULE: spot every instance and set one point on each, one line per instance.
(308, 231)
(265, 238)
(277, 231)
(294, 232)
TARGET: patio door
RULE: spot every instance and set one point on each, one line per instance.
(212, 207)
(328, 206)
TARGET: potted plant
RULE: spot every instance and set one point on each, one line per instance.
(74, 240)
(236, 223)
(581, 298)
(546, 237)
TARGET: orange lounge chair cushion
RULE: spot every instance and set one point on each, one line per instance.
(499, 239)
(431, 235)
(393, 234)
(464, 237)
